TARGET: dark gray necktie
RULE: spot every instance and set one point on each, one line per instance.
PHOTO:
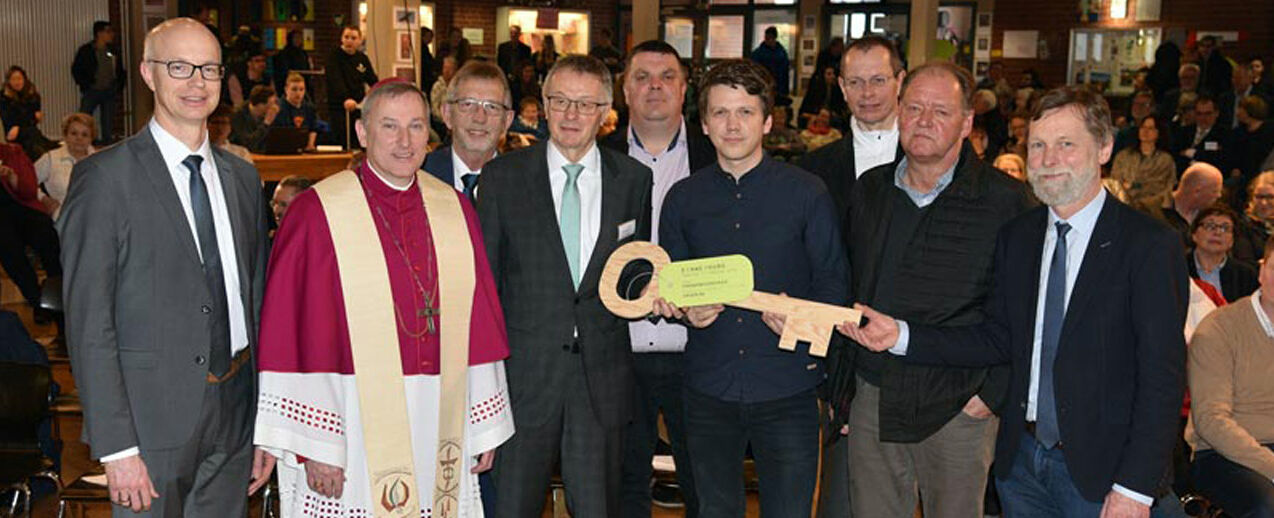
(1046, 430)
(214, 275)
(470, 181)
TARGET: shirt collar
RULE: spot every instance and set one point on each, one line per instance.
(943, 181)
(858, 128)
(173, 150)
(591, 159)
(678, 138)
(460, 168)
(1085, 220)
(1261, 317)
(1194, 256)
(372, 169)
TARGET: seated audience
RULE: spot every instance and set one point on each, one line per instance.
(246, 77)
(293, 57)
(1142, 106)
(1231, 381)
(1213, 235)
(987, 114)
(783, 141)
(528, 122)
(295, 111)
(1146, 171)
(21, 113)
(1199, 188)
(1188, 81)
(25, 223)
(219, 133)
(438, 94)
(820, 131)
(53, 170)
(1205, 140)
(1016, 143)
(1257, 221)
(526, 84)
(983, 146)
(824, 93)
(1254, 139)
(1012, 164)
(285, 192)
(251, 122)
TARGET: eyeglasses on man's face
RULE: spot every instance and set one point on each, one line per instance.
(468, 106)
(178, 69)
(562, 104)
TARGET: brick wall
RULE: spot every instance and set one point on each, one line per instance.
(1055, 18)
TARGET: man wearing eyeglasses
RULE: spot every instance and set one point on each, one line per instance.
(164, 247)
(551, 216)
(477, 112)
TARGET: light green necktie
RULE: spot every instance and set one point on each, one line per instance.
(568, 220)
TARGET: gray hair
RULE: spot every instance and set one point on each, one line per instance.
(584, 65)
(391, 90)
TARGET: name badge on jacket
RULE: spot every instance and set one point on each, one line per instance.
(627, 229)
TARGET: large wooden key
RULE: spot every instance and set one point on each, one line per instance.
(806, 320)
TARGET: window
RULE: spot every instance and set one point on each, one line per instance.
(725, 37)
(680, 33)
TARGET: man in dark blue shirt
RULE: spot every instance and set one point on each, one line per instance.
(741, 388)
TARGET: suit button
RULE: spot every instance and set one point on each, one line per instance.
(736, 226)
(577, 300)
(738, 196)
(1023, 405)
(566, 347)
(205, 309)
(200, 360)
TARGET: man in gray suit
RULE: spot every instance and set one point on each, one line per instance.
(164, 243)
(551, 215)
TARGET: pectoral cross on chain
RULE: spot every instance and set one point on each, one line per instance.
(428, 313)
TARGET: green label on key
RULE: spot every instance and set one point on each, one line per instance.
(712, 280)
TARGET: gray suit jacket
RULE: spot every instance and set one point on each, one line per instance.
(135, 297)
(541, 306)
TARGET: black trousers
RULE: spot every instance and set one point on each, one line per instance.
(659, 388)
(20, 227)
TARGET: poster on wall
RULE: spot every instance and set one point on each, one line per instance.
(307, 39)
(406, 45)
(473, 34)
(955, 28)
(1021, 44)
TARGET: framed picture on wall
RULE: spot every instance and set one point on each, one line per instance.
(405, 45)
(984, 20)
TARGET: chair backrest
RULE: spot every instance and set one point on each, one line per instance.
(24, 402)
(51, 294)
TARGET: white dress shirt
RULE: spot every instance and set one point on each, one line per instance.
(459, 169)
(668, 167)
(589, 184)
(53, 171)
(173, 152)
(872, 147)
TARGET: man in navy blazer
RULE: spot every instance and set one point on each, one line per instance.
(478, 111)
(1087, 305)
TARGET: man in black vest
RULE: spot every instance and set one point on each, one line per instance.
(923, 231)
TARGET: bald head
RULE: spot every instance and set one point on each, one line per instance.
(1200, 187)
(181, 64)
(174, 30)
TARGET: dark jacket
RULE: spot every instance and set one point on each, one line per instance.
(943, 280)
(1216, 148)
(1238, 278)
(702, 152)
(346, 75)
(1120, 367)
(84, 68)
(554, 328)
(834, 163)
